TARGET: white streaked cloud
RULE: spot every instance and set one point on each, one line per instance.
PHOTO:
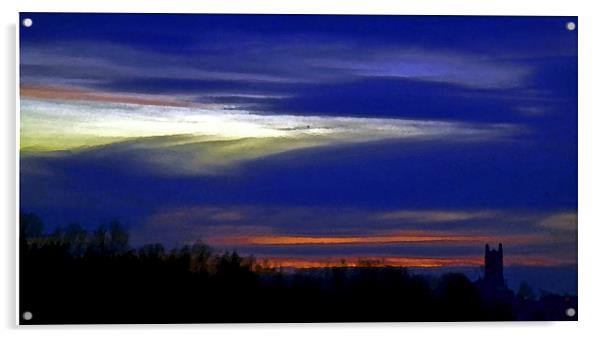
(473, 71)
(193, 140)
(273, 61)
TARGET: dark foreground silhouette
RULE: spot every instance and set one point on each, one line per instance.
(71, 276)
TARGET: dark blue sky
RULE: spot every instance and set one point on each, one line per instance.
(372, 114)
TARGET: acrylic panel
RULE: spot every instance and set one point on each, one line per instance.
(205, 168)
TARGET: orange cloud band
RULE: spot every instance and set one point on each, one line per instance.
(76, 94)
(408, 237)
(410, 262)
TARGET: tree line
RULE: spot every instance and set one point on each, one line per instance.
(71, 275)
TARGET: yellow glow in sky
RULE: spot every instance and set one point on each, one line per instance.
(195, 140)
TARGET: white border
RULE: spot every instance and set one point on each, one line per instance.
(17, 168)
(406, 7)
(589, 28)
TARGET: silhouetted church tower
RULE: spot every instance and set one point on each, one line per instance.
(494, 267)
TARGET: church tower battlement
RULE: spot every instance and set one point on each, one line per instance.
(494, 266)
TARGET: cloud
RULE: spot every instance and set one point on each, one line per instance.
(430, 237)
(376, 261)
(277, 74)
(433, 216)
(254, 230)
(179, 226)
(79, 94)
(532, 110)
(400, 261)
(566, 221)
(301, 60)
(198, 141)
(472, 71)
(253, 225)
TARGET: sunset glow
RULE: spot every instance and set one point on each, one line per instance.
(212, 168)
(409, 237)
(408, 262)
(306, 140)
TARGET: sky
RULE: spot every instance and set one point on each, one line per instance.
(307, 140)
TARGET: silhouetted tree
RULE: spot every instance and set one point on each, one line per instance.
(74, 276)
(460, 297)
(152, 251)
(30, 225)
(98, 244)
(201, 256)
(118, 238)
(76, 237)
(525, 292)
